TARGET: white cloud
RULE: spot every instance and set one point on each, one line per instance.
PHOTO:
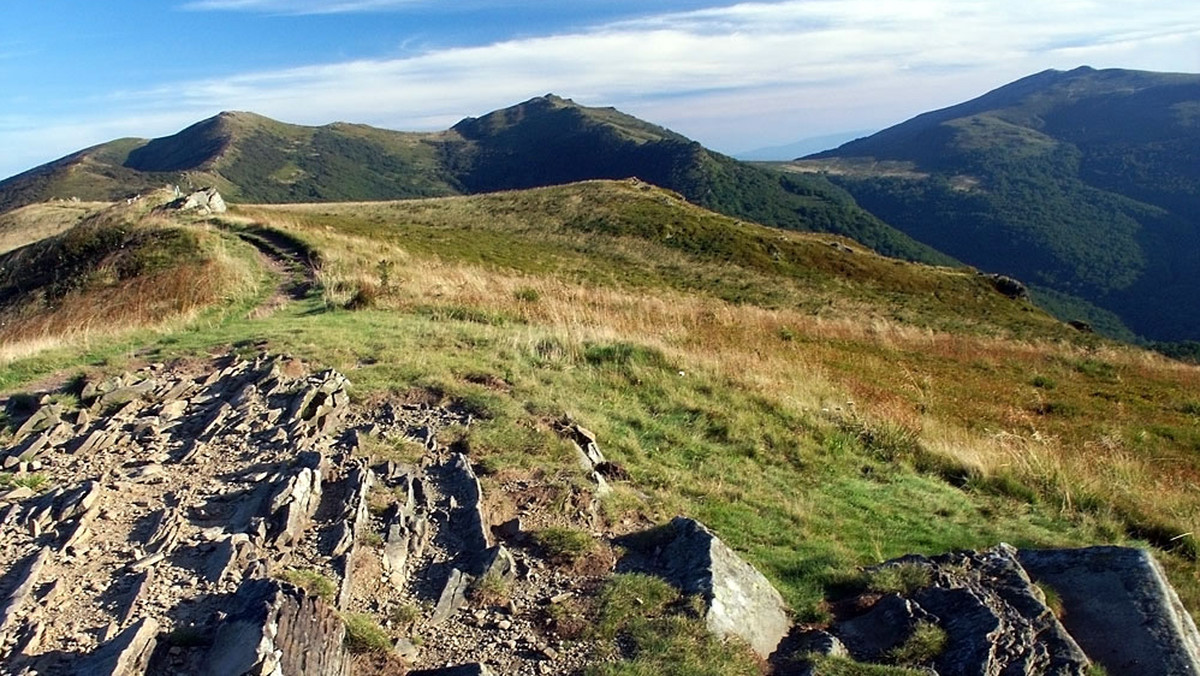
(300, 6)
(734, 77)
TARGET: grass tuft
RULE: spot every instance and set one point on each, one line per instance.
(923, 646)
(365, 635)
(312, 582)
(564, 545)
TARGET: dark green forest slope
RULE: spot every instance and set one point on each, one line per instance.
(1086, 183)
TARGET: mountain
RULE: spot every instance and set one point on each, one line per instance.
(544, 141)
(804, 146)
(1085, 184)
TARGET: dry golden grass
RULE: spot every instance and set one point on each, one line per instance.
(160, 300)
(36, 222)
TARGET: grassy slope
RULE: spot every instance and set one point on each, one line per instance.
(110, 270)
(732, 371)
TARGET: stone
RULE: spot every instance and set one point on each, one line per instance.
(127, 654)
(453, 597)
(21, 592)
(293, 505)
(468, 519)
(1120, 607)
(204, 201)
(406, 649)
(738, 600)
(497, 562)
(278, 630)
(1008, 286)
(994, 619)
(472, 669)
(890, 621)
(508, 530)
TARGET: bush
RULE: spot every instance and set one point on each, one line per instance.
(1043, 382)
(527, 295)
(365, 635)
(490, 590)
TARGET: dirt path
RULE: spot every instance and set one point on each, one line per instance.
(289, 260)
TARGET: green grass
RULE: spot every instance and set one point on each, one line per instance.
(365, 635)
(311, 581)
(664, 633)
(923, 646)
(903, 579)
(564, 545)
(844, 666)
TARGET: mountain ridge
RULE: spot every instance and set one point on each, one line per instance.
(546, 140)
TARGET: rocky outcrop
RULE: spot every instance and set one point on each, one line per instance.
(1119, 606)
(738, 600)
(1008, 286)
(280, 630)
(990, 608)
(161, 514)
(204, 201)
(587, 451)
(993, 619)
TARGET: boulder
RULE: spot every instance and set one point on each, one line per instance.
(739, 601)
(1008, 286)
(1121, 609)
(886, 625)
(205, 201)
(994, 619)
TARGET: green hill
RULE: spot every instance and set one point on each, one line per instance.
(544, 141)
(1085, 183)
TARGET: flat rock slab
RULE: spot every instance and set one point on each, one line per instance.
(741, 602)
(1120, 608)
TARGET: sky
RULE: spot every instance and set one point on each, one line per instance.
(734, 76)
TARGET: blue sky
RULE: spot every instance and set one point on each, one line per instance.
(734, 76)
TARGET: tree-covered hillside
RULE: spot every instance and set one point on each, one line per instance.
(1085, 182)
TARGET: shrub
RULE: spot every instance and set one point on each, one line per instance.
(34, 482)
(490, 590)
(1043, 382)
(405, 615)
(1051, 598)
(365, 635)
(527, 295)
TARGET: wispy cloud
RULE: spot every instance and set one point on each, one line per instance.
(300, 6)
(737, 76)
